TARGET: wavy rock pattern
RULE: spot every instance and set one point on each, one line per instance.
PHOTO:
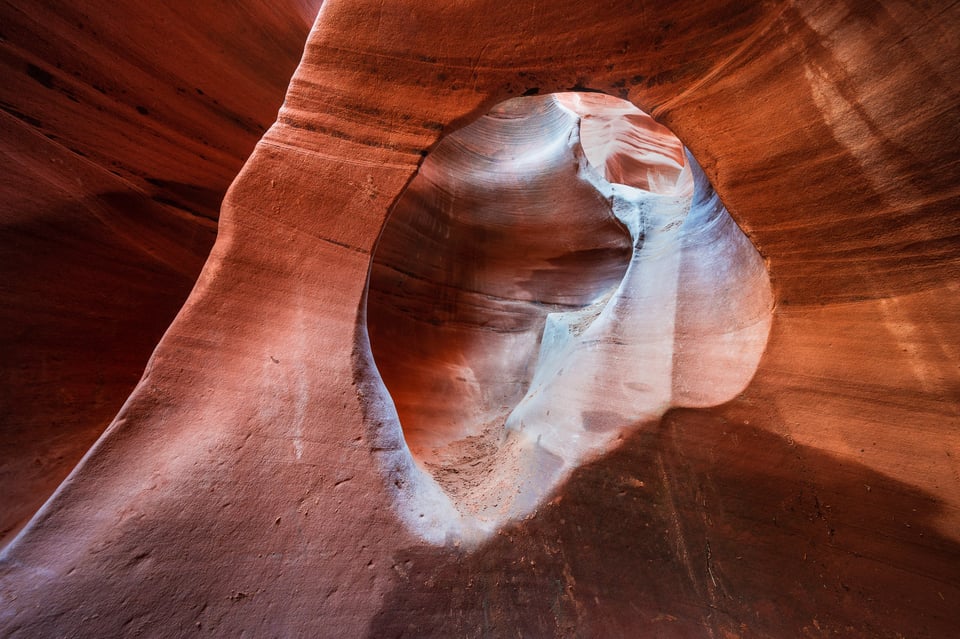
(121, 127)
(527, 314)
(251, 483)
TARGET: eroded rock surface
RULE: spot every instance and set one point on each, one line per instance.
(527, 314)
(121, 127)
(252, 484)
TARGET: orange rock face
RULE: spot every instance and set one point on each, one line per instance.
(779, 459)
(121, 127)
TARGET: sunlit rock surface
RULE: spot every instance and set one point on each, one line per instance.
(526, 314)
(254, 482)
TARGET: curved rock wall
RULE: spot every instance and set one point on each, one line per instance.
(121, 127)
(527, 315)
(254, 483)
(497, 230)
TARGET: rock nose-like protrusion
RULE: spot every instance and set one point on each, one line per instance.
(558, 273)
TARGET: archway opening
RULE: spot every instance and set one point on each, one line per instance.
(559, 271)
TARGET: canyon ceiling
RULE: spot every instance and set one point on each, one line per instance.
(602, 383)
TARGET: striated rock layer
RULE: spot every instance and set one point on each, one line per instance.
(258, 482)
(121, 127)
(526, 314)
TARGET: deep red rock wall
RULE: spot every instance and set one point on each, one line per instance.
(255, 480)
(121, 125)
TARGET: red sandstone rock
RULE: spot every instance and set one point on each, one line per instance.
(527, 315)
(254, 482)
(121, 126)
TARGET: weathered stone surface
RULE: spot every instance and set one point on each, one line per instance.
(526, 314)
(121, 127)
(255, 480)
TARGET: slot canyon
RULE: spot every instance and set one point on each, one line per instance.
(470, 319)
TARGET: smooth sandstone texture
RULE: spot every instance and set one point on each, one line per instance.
(256, 481)
(121, 126)
(527, 314)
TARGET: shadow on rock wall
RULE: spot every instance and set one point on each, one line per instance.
(700, 526)
(89, 290)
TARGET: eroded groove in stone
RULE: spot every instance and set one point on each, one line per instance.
(558, 273)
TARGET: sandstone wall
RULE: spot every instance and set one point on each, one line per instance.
(253, 482)
(121, 127)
